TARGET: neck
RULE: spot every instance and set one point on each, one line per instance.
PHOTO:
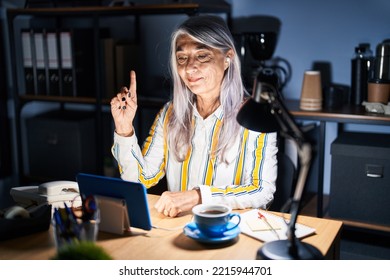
(206, 107)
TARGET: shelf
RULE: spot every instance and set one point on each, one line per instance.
(142, 101)
(185, 8)
(348, 113)
(69, 99)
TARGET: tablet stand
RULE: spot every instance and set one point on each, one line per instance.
(113, 215)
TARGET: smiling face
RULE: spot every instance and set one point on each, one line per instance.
(200, 67)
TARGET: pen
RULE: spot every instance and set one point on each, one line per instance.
(262, 217)
(71, 222)
(58, 220)
(89, 208)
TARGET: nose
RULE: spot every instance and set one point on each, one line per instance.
(191, 70)
(191, 66)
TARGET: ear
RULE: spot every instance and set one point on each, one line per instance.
(229, 56)
(228, 59)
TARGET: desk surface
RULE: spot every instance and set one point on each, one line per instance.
(172, 244)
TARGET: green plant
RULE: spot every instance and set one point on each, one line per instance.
(82, 251)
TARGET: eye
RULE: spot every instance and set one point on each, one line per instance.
(181, 59)
(203, 57)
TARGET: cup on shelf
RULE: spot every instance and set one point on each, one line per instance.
(334, 97)
(215, 219)
(311, 94)
(378, 91)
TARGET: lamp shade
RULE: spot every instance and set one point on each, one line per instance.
(257, 116)
(256, 113)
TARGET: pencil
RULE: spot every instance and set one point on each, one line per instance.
(262, 217)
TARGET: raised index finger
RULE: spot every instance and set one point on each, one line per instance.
(133, 84)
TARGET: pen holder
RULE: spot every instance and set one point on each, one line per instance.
(75, 231)
(89, 231)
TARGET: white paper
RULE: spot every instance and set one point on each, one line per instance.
(269, 235)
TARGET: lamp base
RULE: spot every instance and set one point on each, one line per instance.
(281, 250)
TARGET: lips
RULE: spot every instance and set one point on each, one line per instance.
(193, 80)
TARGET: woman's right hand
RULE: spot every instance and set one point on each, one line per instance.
(124, 107)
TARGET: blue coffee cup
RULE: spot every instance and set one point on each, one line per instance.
(215, 219)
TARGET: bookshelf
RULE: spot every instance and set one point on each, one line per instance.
(97, 91)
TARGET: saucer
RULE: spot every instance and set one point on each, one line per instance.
(192, 231)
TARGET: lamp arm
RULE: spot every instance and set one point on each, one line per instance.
(304, 154)
(284, 117)
(291, 130)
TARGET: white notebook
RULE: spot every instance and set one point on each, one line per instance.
(257, 228)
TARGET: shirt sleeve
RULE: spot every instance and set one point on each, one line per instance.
(125, 150)
(146, 165)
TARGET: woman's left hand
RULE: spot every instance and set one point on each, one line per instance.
(173, 203)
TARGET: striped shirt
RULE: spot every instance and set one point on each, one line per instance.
(246, 181)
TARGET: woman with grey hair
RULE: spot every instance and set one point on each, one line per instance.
(195, 140)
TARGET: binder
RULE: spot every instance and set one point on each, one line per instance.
(126, 59)
(84, 50)
(53, 63)
(109, 74)
(40, 63)
(28, 62)
(68, 87)
(78, 62)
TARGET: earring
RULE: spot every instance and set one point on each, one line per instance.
(228, 62)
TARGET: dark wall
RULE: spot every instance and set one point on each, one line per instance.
(5, 148)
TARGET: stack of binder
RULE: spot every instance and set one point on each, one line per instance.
(59, 62)
(62, 62)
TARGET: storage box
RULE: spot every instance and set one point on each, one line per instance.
(39, 220)
(61, 144)
(360, 178)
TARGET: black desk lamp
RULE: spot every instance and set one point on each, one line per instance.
(265, 112)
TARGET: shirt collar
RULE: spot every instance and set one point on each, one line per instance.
(216, 114)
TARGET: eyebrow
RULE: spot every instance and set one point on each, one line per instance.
(199, 46)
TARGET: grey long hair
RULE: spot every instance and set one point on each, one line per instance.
(213, 32)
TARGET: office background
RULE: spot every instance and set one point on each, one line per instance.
(311, 31)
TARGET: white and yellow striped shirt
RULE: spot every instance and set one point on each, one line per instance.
(246, 181)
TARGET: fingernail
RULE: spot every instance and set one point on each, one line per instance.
(124, 107)
(123, 98)
(119, 107)
(128, 94)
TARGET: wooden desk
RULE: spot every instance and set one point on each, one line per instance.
(172, 244)
(346, 114)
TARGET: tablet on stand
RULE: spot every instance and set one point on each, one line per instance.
(123, 204)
